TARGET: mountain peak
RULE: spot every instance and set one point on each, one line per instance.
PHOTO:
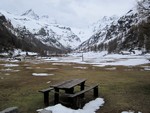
(109, 18)
(31, 14)
(30, 11)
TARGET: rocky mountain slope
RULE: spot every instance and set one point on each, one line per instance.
(11, 38)
(31, 32)
(129, 32)
(86, 33)
(47, 32)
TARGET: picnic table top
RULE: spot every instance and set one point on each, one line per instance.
(68, 84)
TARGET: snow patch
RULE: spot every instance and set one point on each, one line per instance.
(80, 67)
(29, 68)
(10, 65)
(9, 70)
(146, 68)
(99, 65)
(112, 68)
(41, 74)
(48, 82)
(63, 64)
(102, 59)
(128, 62)
(90, 107)
(51, 59)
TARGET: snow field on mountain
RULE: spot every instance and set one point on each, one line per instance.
(34, 23)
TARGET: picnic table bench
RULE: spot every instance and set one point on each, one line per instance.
(74, 98)
(46, 95)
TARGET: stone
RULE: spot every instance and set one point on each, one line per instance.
(10, 110)
(45, 111)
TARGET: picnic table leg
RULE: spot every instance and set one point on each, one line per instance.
(74, 102)
(46, 98)
(82, 85)
(56, 96)
(82, 88)
(96, 91)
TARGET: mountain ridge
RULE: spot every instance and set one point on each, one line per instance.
(113, 34)
(30, 13)
(55, 35)
(121, 35)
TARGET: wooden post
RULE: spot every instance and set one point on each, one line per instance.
(96, 91)
(46, 98)
(56, 96)
(82, 88)
(74, 102)
(82, 57)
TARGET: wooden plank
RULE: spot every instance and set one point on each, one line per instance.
(75, 99)
(71, 83)
(68, 84)
(46, 90)
(46, 95)
(60, 83)
(82, 92)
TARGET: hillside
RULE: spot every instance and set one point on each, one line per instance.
(40, 32)
(92, 29)
(11, 38)
(129, 32)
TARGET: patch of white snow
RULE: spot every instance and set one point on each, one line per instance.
(80, 67)
(41, 74)
(90, 107)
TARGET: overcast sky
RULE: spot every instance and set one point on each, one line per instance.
(76, 13)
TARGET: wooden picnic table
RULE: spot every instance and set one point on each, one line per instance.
(68, 86)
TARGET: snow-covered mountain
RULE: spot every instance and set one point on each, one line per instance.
(31, 14)
(113, 34)
(44, 18)
(103, 22)
(86, 33)
(99, 29)
(49, 33)
(129, 32)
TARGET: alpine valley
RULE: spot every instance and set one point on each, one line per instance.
(42, 34)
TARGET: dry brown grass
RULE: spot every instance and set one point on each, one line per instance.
(123, 89)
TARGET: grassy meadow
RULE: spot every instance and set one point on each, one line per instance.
(123, 88)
